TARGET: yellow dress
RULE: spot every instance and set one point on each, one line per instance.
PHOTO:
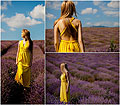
(23, 70)
(64, 97)
(69, 46)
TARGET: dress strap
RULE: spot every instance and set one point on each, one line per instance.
(66, 27)
(72, 23)
(63, 31)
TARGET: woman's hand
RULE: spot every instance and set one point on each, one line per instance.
(16, 62)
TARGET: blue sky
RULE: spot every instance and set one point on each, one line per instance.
(91, 13)
(17, 15)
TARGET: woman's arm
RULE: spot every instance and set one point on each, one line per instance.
(56, 40)
(68, 81)
(80, 39)
(17, 53)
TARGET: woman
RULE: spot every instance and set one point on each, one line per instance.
(70, 30)
(65, 84)
(24, 59)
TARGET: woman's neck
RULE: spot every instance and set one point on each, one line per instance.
(66, 16)
(25, 39)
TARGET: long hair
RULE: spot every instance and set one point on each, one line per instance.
(67, 10)
(27, 33)
(64, 67)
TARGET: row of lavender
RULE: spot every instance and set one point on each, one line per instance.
(94, 78)
(11, 92)
(96, 39)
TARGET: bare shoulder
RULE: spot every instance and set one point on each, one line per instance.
(56, 22)
(62, 20)
(77, 21)
(19, 41)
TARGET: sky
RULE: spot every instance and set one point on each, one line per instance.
(18, 15)
(31, 15)
(91, 13)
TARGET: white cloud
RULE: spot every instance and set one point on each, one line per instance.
(89, 23)
(12, 29)
(89, 11)
(116, 24)
(53, 5)
(104, 7)
(106, 23)
(75, 2)
(113, 4)
(94, 11)
(19, 20)
(103, 23)
(56, 4)
(109, 9)
(38, 12)
(87, 18)
(97, 2)
(5, 4)
(113, 13)
(2, 30)
(2, 16)
(50, 16)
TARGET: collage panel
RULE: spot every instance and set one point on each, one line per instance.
(22, 52)
(87, 78)
(91, 25)
(42, 52)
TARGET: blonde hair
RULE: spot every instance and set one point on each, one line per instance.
(63, 67)
(67, 10)
(26, 33)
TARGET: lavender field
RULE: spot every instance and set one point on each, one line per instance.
(11, 92)
(94, 77)
(96, 39)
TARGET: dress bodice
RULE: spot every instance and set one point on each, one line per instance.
(24, 53)
(24, 47)
(63, 78)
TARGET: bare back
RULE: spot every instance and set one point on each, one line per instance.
(69, 33)
(68, 30)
